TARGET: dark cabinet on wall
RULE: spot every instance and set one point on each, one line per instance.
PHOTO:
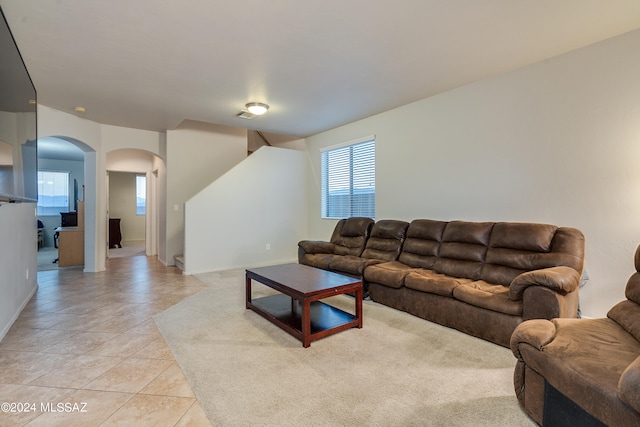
(115, 237)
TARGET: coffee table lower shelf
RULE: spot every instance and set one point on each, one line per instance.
(286, 313)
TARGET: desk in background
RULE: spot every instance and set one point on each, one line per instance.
(70, 246)
(71, 242)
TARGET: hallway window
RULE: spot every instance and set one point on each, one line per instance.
(349, 180)
(141, 194)
(53, 192)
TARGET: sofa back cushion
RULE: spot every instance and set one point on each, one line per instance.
(350, 235)
(516, 248)
(463, 249)
(421, 247)
(632, 292)
(386, 239)
(627, 315)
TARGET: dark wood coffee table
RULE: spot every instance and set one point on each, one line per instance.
(297, 308)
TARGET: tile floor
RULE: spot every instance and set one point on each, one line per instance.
(86, 352)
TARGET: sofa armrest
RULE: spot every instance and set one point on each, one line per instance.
(316, 247)
(629, 384)
(560, 279)
(313, 247)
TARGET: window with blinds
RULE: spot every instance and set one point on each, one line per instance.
(141, 194)
(53, 193)
(349, 181)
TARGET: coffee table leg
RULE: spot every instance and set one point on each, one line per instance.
(359, 307)
(248, 291)
(306, 323)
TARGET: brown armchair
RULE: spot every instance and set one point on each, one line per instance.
(582, 371)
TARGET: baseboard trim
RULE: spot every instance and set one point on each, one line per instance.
(242, 266)
(6, 329)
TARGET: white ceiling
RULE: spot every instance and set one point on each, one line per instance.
(150, 64)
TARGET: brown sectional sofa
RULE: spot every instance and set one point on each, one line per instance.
(482, 278)
(582, 371)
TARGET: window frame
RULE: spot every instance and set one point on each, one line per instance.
(53, 210)
(143, 176)
(353, 204)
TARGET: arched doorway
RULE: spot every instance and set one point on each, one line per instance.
(76, 160)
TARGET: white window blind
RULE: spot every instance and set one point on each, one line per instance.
(53, 192)
(141, 194)
(349, 181)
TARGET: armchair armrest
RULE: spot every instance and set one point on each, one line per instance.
(536, 333)
(560, 279)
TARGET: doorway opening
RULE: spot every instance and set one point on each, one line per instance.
(127, 214)
(132, 203)
(61, 177)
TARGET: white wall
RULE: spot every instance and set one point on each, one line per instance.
(157, 227)
(128, 160)
(254, 141)
(555, 142)
(118, 138)
(197, 154)
(18, 260)
(260, 201)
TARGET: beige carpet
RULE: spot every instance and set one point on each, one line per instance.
(398, 370)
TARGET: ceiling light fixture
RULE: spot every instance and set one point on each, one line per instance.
(257, 108)
(79, 109)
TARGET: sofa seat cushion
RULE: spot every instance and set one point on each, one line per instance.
(435, 283)
(389, 274)
(487, 295)
(596, 350)
(352, 265)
